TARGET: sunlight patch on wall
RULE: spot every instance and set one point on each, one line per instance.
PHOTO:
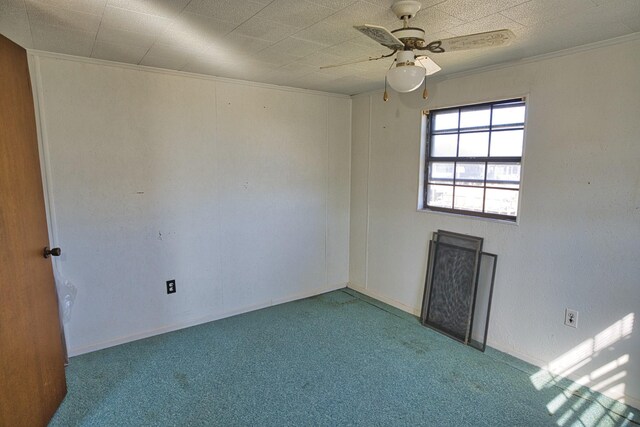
(583, 354)
(606, 377)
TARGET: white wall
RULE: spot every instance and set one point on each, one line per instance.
(240, 192)
(577, 243)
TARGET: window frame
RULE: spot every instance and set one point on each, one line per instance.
(486, 160)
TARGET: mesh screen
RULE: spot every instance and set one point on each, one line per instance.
(452, 289)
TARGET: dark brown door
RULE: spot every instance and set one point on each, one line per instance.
(32, 381)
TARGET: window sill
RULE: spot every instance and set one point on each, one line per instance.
(470, 217)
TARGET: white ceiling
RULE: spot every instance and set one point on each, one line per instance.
(285, 41)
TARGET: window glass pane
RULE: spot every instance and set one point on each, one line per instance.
(469, 199)
(440, 196)
(446, 120)
(475, 117)
(441, 173)
(470, 174)
(474, 144)
(444, 145)
(503, 175)
(503, 202)
(508, 115)
(506, 143)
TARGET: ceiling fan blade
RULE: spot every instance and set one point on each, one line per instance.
(428, 64)
(381, 35)
(472, 41)
(357, 61)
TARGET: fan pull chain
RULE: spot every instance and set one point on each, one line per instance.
(425, 94)
(385, 97)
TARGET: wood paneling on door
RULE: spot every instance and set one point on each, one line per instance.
(32, 381)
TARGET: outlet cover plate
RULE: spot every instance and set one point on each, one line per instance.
(571, 318)
(171, 286)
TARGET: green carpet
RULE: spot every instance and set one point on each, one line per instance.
(335, 359)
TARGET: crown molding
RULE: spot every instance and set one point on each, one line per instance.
(528, 60)
(95, 61)
(545, 56)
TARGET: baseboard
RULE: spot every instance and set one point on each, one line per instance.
(416, 312)
(382, 298)
(632, 401)
(536, 364)
(77, 351)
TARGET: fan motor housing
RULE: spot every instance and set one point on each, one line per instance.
(410, 36)
(405, 57)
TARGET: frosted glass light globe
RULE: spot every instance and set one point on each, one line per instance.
(405, 78)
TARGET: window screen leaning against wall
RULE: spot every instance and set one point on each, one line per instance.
(473, 159)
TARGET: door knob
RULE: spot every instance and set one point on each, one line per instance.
(52, 252)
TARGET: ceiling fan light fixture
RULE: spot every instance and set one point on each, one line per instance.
(411, 66)
(406, 76)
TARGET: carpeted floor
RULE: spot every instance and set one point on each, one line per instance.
(336, 359)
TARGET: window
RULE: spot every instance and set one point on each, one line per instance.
(473, 159)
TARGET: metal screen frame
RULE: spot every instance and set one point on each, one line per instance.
(471, 286)
(476, 246)
(474, 241)
(482, 346)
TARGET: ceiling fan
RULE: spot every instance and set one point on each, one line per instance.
(409, 69)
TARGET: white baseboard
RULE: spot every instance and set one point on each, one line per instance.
(416, 312)
(538, 363)
(632, 401)
(384, 299)
(628, 400)
(76, 351)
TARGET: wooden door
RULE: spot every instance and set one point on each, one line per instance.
(32, 381)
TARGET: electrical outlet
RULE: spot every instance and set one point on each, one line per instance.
(171, 286)
(571, 318)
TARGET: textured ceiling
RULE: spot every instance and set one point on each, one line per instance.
(285, 41)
